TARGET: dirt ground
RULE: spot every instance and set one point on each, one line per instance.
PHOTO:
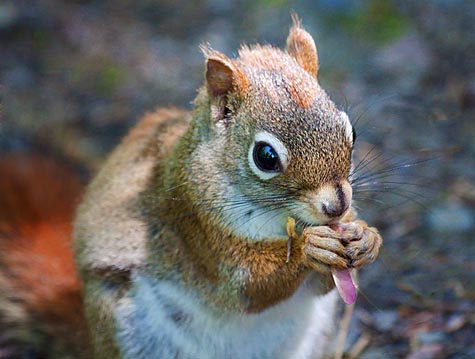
(75, 75)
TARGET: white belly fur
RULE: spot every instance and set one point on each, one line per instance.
(162, 320)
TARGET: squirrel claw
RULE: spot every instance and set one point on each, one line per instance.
(338, 246)
(323, 249)
(365, 248)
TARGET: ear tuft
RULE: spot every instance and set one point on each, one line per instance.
(301, 47)
(222, 76)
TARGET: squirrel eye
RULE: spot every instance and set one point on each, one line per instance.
(266, 158)
(267, 155)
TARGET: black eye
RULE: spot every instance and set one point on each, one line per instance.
(354, 135)
(266, 158)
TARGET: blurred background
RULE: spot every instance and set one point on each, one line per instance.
(76, 75)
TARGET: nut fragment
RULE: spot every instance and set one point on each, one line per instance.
(291, 234)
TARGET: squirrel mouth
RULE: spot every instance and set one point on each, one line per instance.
(303, 220)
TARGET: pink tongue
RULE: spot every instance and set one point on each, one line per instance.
(344, 284)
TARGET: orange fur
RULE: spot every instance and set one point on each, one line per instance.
(37, 201)
(301, 46)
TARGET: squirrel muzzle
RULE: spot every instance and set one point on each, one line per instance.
(330, 201)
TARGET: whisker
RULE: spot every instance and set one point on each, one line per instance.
(368, 199)
(274, 216)
(407, 195)
(387, 163)
(275, 199)
(385, 170)
(176, 186)
(234, 204)
(402, 183)
(366, 161)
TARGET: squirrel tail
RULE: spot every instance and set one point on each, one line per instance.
(41, 311)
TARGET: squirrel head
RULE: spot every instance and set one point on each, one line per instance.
(276, 145)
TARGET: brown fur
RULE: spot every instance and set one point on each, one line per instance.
(157, 205)
(109, 250)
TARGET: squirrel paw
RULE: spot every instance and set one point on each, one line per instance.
(364, 244)
(325, 247)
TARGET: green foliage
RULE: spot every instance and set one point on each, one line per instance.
(375, 20)
(110, 77)
(274, 3)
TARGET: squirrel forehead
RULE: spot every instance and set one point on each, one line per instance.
(276, 78)
(284, 99)
(307, 132)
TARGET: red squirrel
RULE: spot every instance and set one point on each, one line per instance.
(181, 240)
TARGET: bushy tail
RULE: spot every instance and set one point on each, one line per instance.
(41, 312)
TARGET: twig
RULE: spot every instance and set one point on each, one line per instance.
(343, 331)
(359, 346)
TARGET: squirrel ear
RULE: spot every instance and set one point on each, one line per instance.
(222, 75)
(301, 47)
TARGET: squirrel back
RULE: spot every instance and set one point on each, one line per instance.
(41, 309)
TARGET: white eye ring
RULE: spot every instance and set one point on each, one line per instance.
(277, 145)
(348, 126)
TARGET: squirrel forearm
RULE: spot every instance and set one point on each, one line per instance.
(270, 278)
(257, 274)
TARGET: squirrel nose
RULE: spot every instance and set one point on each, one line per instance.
(333, 210)
(335, 199)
